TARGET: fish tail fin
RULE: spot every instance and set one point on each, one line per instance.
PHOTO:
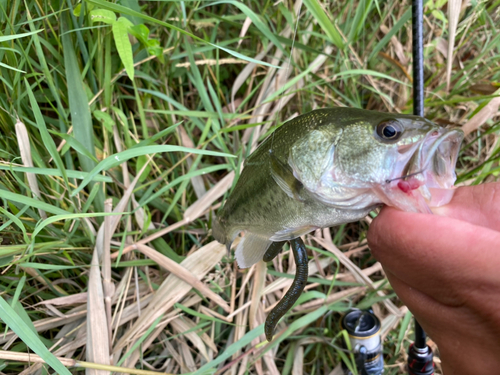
(218, 231)
(251, 249)
(220, 235)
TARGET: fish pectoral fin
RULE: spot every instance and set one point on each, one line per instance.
(251, 249)
(283, 175)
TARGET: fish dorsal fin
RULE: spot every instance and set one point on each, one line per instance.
(283, 175)
(312, 155)
(251, 249)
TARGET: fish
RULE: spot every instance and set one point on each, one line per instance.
(329, 167)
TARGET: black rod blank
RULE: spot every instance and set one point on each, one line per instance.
(417, 8)
(418, 57)
(419, 336)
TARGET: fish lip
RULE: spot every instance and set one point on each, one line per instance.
(421, 157)
(440, 151)
(423, 173)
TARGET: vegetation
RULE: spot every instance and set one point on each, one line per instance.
(123, 128)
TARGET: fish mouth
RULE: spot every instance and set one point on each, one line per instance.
(425, 172)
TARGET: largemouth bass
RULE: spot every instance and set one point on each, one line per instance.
(334, 166)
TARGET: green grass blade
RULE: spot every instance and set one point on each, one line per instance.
(232, 349)
(404, 326)
(14, 321)
(5, 38)
(256, 20)
(358, 23)
(55, 218)
(116, 159)
(78, 104)
(150, 329)
(368, 72)
(199, 315)
(75, 144)
(124, 10)
(46, 267)
(31, 202)
(12, 68)
(328, 27)
(79, 175)
(383, 42)
(16, 221)
(46, 138)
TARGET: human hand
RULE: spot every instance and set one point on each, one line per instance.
(446, 269)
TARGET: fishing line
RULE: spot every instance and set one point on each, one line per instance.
(405, 176)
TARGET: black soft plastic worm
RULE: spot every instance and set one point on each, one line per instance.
(272, 251)
(299, 282)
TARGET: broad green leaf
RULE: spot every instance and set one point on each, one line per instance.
(10, 317)
(77, 10)
(141, 32)
(106, 120)
(102, 15)
(123, 46)
(154, 48)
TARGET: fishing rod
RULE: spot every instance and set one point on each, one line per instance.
(363, 327)
(419, 353)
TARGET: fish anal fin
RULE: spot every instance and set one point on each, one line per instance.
(283, 175)
(288, 234)
(251, 249)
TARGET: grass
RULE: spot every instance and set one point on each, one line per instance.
(124, 125)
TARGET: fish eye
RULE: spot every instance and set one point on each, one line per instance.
(389, 130)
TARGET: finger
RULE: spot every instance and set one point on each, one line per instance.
(427, 310)
(435, 253)
(456, 329)
(479, 205)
